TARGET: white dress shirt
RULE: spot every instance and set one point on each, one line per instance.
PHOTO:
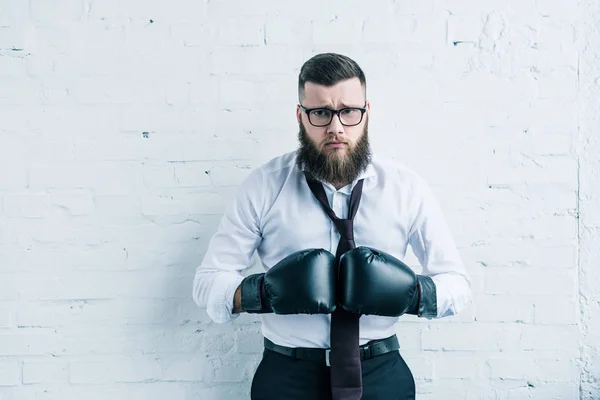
(276, 214)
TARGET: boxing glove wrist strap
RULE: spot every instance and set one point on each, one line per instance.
(252, 293)
(425, 303)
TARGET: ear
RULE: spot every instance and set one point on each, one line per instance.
(298, 113)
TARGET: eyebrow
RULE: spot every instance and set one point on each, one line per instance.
(342, 105)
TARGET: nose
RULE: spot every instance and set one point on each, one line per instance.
(335, 126)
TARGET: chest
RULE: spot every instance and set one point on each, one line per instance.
(297, 222)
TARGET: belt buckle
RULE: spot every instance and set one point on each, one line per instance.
(328, 357)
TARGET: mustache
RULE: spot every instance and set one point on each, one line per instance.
(335, 141)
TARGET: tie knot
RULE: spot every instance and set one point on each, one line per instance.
(345, 227)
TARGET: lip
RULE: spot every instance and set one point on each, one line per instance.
(335, 144)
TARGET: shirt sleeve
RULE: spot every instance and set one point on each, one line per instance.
(433, 245)
(229, 252)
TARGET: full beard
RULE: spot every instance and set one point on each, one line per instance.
(333, 166)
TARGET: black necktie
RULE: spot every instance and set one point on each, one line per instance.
(346, 375)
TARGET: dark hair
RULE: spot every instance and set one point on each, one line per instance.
(328, 69)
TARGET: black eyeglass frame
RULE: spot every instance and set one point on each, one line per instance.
(334, 112)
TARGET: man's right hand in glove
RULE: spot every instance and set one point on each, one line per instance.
(302, 283)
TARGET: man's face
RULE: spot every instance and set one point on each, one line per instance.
(335, 152)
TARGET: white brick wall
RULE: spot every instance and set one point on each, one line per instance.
(102, 226)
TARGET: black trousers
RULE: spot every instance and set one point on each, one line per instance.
(278, 377)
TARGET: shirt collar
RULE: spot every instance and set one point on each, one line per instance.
(367, 174)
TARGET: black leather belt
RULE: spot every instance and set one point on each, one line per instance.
(368, 350)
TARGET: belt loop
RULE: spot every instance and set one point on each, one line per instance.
(368, 352)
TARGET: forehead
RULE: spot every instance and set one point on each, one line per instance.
(348, 92)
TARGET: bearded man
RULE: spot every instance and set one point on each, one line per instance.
(331, 223)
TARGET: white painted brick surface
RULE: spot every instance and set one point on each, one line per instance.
(125, 128)
(10, 373)
(45, 371)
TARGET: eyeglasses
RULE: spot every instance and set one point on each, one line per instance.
(350, 116)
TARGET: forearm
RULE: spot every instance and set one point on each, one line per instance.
(215, 292)
(453, 293)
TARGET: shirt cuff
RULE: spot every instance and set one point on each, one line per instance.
(220, 299)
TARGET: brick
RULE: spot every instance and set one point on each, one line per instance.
(111, 176)
(192, 175)
(558, 391)
(563, 369)
(254, 60)
(249, 342)
(514, 366)
(563, 171)
(66, 10)
(546, 337)
(451, 366)
(287, 31)
(118, 148)
(245, 32)
(98, 91)
(409, 336)
(45, 371)
(58, 228)
(232, 175)
(10, 373)
(37, 285)
(504, 308)
(192, 370)
(118, 205)
(422, 367)
(206, 93)
(8, 288)
(519, 281)
(473, 337)
(25, 205)
(337, 31)
(231, 371)
(500, 252)
(393, 30)
(164, 204)
(117, 369)
(7, 314)
(556, 310)
(454, 389)
(13, 176)
(29, 342)
(73, 202)
(18, 93)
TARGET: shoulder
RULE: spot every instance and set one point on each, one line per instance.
(279, 165)
(269, 176)
(395, 172)
(270, 169)
(262, 185)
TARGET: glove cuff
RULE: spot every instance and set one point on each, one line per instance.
(424, 303)
(253, 296)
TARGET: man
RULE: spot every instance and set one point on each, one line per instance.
(331, 224)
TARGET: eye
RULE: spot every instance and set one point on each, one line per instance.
(321, 112)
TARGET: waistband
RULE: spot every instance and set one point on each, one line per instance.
(368, 350)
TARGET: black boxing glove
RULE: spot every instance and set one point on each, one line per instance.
(302, 283)
(373, 282)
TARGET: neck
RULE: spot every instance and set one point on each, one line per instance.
(339, 185)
